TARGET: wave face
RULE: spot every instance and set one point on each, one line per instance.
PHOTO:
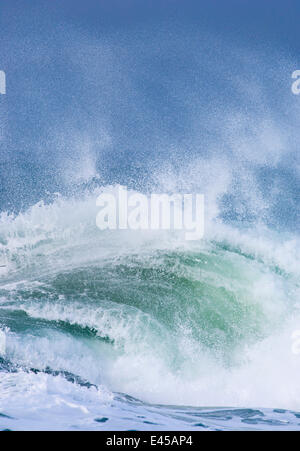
(112, 328)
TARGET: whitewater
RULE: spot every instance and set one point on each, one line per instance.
(131, 330)
(145, 330)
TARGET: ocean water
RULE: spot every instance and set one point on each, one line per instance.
(123, 330)
(145, 330)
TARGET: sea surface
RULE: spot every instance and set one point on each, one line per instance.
(123, 330)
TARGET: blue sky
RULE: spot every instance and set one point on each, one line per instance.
(273, 21)
(112, 86)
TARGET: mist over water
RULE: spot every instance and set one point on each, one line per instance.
(150, 106)
(119, 325)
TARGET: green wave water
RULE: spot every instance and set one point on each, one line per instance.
(167, 322)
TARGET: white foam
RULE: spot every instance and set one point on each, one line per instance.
(50, 239)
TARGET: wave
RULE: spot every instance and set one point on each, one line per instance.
(148, 313)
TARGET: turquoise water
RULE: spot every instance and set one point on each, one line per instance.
(144, 330)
